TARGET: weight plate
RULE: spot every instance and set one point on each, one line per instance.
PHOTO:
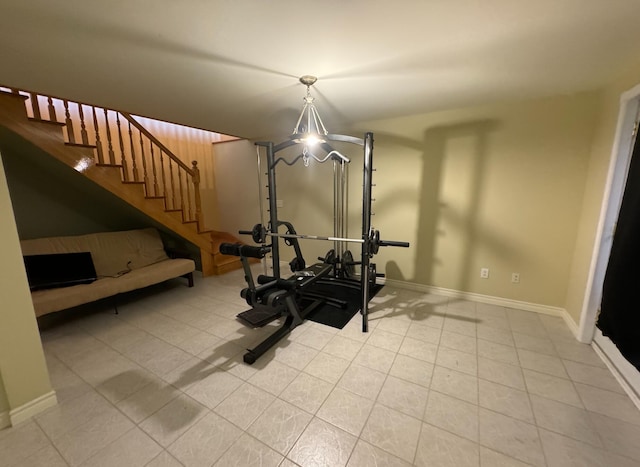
(347, 264)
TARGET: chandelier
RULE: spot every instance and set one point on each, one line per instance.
(309, 128)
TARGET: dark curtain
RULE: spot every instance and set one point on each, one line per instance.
(620, 308)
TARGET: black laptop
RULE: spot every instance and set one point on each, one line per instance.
(59, 270)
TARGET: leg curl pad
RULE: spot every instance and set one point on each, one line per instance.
(238, 249)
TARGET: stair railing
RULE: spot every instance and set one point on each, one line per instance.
(120, 140)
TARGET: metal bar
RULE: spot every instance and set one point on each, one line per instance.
(336, 212)
(345, 201)
(316, 237)
(367, 170)
(273, 210)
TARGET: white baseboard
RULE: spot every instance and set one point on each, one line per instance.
(5, 421)
(32, 408)
(488, 299)
(571, 324)
(626, 374)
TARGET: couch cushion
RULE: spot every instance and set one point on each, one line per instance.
(47, 301)
(112, 252)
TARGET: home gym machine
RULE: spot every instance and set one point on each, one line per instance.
(292, 297)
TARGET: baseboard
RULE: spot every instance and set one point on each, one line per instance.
(5, 421)
(488, 299)
(32, 408)
(571, 324)
(623, 371)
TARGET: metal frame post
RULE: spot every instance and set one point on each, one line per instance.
(367, 171)
(273, 210)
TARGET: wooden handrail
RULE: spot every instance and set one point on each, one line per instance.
(155, 141)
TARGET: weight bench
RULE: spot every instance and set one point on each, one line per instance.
(280, 295)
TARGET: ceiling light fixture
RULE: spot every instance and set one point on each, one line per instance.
(309, 129)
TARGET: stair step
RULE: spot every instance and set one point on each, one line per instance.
(133, 183)
(109, 165)
(224, 259)
(154, 197)
(81, 145)
(39, 120)
(228, 267)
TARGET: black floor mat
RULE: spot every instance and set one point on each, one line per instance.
(334, 316)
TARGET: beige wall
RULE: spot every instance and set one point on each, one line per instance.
(4, 404)
(236, 186)
(600, 156)
(22, 365)
(499, 186)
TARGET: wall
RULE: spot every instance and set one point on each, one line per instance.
(22, 365)
(237, 186)
(498, 186)
(4, 404)
(600, 156)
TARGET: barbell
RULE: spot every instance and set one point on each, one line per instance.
(259, 234)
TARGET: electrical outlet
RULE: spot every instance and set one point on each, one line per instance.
(515, 277)
(484, 273)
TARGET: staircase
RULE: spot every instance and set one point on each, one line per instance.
(115, 151)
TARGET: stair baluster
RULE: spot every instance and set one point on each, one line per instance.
(172, 187)
(35, 106)
(163, 179)
(196, 191)
(134, 167)
(83, 128)
(98, 140)
(123, 158)
(52, 110)
(145, 176)
(112, 155)
(185, 212)
(156, 187)
(68, 123)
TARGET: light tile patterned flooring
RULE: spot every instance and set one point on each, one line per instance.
(436, 382)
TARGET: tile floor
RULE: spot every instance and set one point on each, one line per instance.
(436, 381)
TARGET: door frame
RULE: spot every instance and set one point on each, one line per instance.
(614, 190)
(626, 374)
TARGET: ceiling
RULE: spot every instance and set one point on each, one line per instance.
(232, 66)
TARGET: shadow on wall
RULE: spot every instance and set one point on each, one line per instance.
(454, 161)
